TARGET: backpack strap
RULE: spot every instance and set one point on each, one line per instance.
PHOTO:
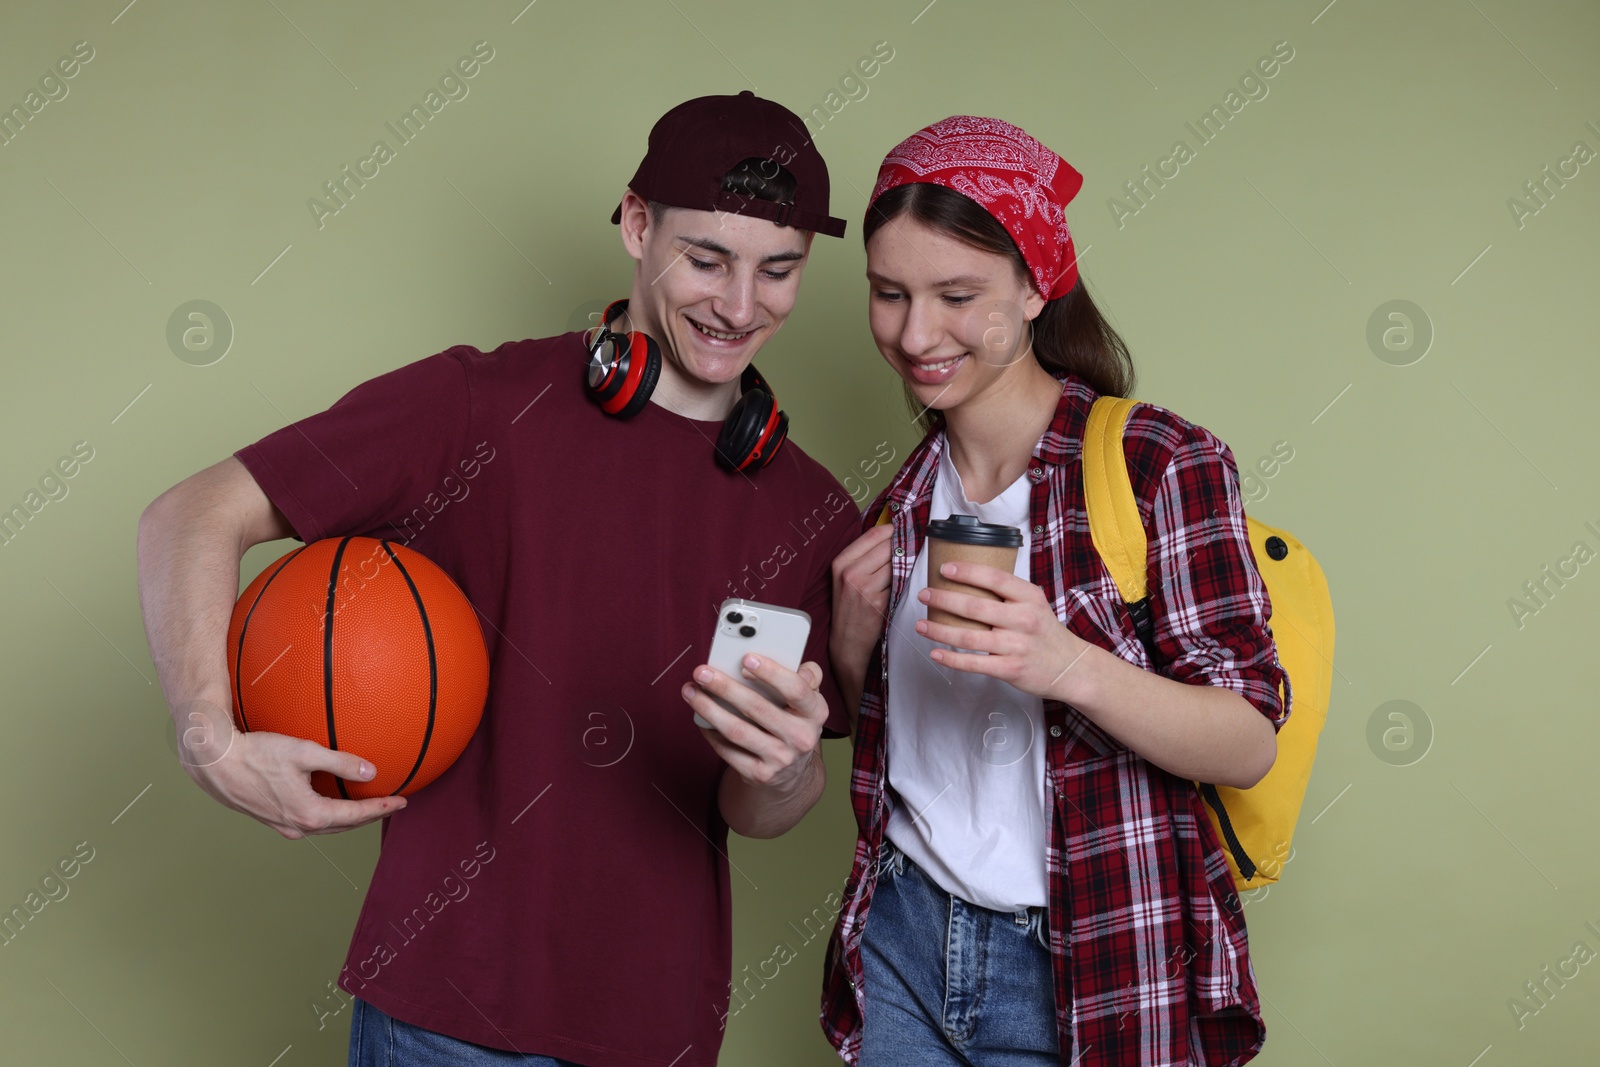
(1114, 523)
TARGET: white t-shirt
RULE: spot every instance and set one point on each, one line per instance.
(966, 751)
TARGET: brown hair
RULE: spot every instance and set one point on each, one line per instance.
(1069, 334)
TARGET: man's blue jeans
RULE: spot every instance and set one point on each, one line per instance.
(950, 983)
(379, 1040)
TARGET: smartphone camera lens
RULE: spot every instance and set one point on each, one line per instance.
(747, 631)
(734, 616)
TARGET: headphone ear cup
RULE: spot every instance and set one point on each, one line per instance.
(623, 386)
(640, 346)
(753, 432)
(740, 430)
(780, 434)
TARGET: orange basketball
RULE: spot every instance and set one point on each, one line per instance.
(364, 646)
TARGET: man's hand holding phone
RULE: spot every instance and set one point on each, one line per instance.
(762, 710)
(770, 745)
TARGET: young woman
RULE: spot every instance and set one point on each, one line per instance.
(1035, 879)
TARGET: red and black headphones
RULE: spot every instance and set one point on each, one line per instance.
(622, 372)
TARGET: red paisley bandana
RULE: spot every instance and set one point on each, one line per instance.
(1023, 184)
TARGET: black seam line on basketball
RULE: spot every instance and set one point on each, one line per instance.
(433, 666)
(327, 657)
(244, 628)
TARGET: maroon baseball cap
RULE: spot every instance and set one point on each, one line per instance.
(698, 142)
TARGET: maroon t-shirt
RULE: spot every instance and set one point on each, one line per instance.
(563, 888)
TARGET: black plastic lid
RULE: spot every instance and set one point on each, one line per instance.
(967, 530)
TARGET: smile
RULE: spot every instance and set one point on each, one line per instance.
(718, 335)
(936, 373)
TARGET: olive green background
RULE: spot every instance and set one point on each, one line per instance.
(1423, 893)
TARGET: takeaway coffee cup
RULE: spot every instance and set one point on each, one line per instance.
(964, 539)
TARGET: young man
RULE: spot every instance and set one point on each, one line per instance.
(562, 890)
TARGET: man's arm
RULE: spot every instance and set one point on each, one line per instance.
(753, 810)
(774, 754)
(190, 541)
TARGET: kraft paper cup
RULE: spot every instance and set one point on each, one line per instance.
(963, 539)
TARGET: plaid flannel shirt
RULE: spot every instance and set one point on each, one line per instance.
(1147, 935)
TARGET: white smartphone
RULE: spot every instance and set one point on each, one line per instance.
(771, 632)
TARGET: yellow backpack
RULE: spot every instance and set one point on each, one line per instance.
(1255, 824)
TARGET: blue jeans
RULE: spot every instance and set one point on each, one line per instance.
(950, 983)
(379, 1040)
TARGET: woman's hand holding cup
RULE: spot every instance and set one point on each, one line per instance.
(963, 538)
(1021, 642)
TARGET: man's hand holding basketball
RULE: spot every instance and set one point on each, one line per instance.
(268, 776)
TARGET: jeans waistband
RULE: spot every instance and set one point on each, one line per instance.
(1035, 917)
